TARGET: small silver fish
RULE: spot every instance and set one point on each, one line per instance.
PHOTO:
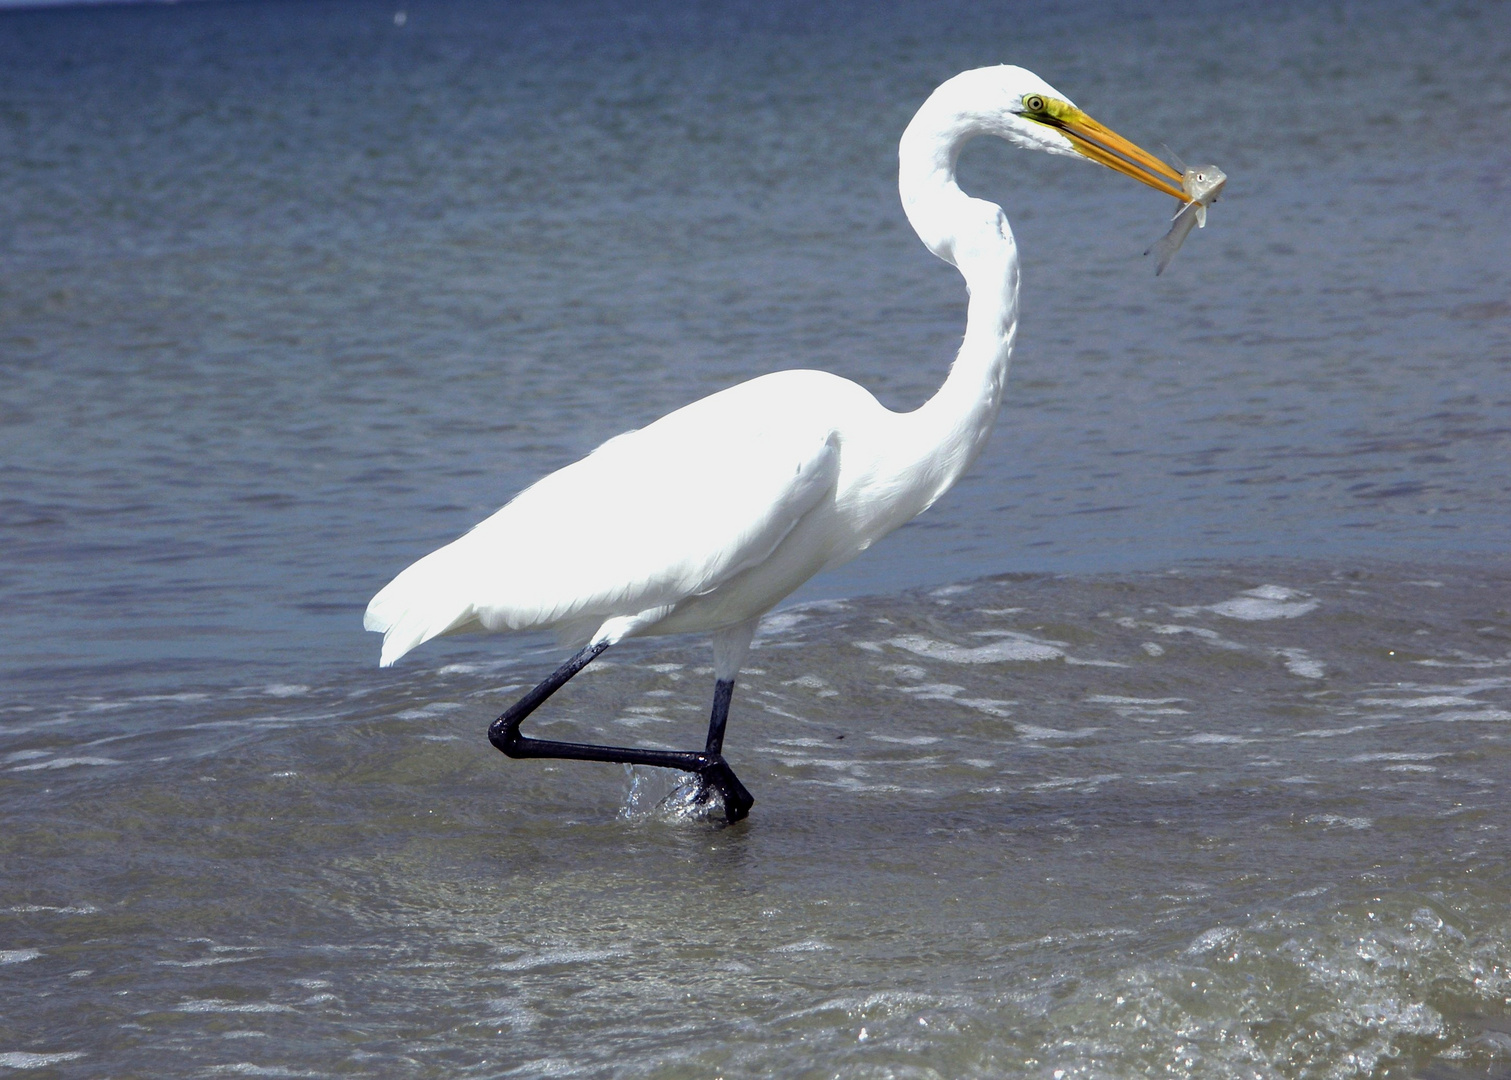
(1202, 185)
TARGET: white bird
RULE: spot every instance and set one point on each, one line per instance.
(705, 519)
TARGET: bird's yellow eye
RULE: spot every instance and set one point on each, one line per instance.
(1033, 103)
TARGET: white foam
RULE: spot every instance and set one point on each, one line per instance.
(1177, 628)
(64, 763)
(803, 946)
(18, 956)
(641, 721)
(781, 622)
(1030, 731)
(107, 706)
(557, 957)
(1113, 699)
(1019, 647)
(17, 1059)
(794, 760)
(949, 692)
(425, 712)
(989, 706)
(1140, 709)
(1481, 714)
(1297, 662)
(783, 713)
(933, 691)
(856, 785)
(1467, 660)
(71, 909)
(1346, 822)
(1215, 938)
(1433, 702)
(207, 961)
(814, 683)
(1210, 636)
(1398, 756)
(218, 1005)
(951, 590)
(1061, 782)
(1266, 602)
(1272, 592)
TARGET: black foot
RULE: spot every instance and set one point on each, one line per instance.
(709, 792)
(718, 776)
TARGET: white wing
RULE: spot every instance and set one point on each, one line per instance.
(648, 519)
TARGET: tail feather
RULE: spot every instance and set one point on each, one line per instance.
(413, 608)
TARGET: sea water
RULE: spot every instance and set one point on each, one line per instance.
(1173, 742)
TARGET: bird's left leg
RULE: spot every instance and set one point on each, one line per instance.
(504, 732)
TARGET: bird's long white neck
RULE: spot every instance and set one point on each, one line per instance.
(948, 432)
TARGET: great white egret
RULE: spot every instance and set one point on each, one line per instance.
(707, 518)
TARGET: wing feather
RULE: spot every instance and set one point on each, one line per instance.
(650, 518)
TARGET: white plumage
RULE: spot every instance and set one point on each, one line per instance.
(707, 518)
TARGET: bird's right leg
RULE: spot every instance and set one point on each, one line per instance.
(730, 647)
(709, 765)
(718, 775)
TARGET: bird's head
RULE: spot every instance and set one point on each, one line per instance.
(1030, 113)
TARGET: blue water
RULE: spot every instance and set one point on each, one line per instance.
(291, 294)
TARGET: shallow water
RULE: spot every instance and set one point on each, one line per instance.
(1173, 742)
(1206, 823)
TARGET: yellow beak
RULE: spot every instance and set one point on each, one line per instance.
(1106, 146)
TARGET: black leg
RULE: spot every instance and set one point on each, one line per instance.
(724, 689)
(720, 777)
(712, 769)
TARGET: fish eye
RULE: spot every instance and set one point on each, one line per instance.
(1033, 103)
